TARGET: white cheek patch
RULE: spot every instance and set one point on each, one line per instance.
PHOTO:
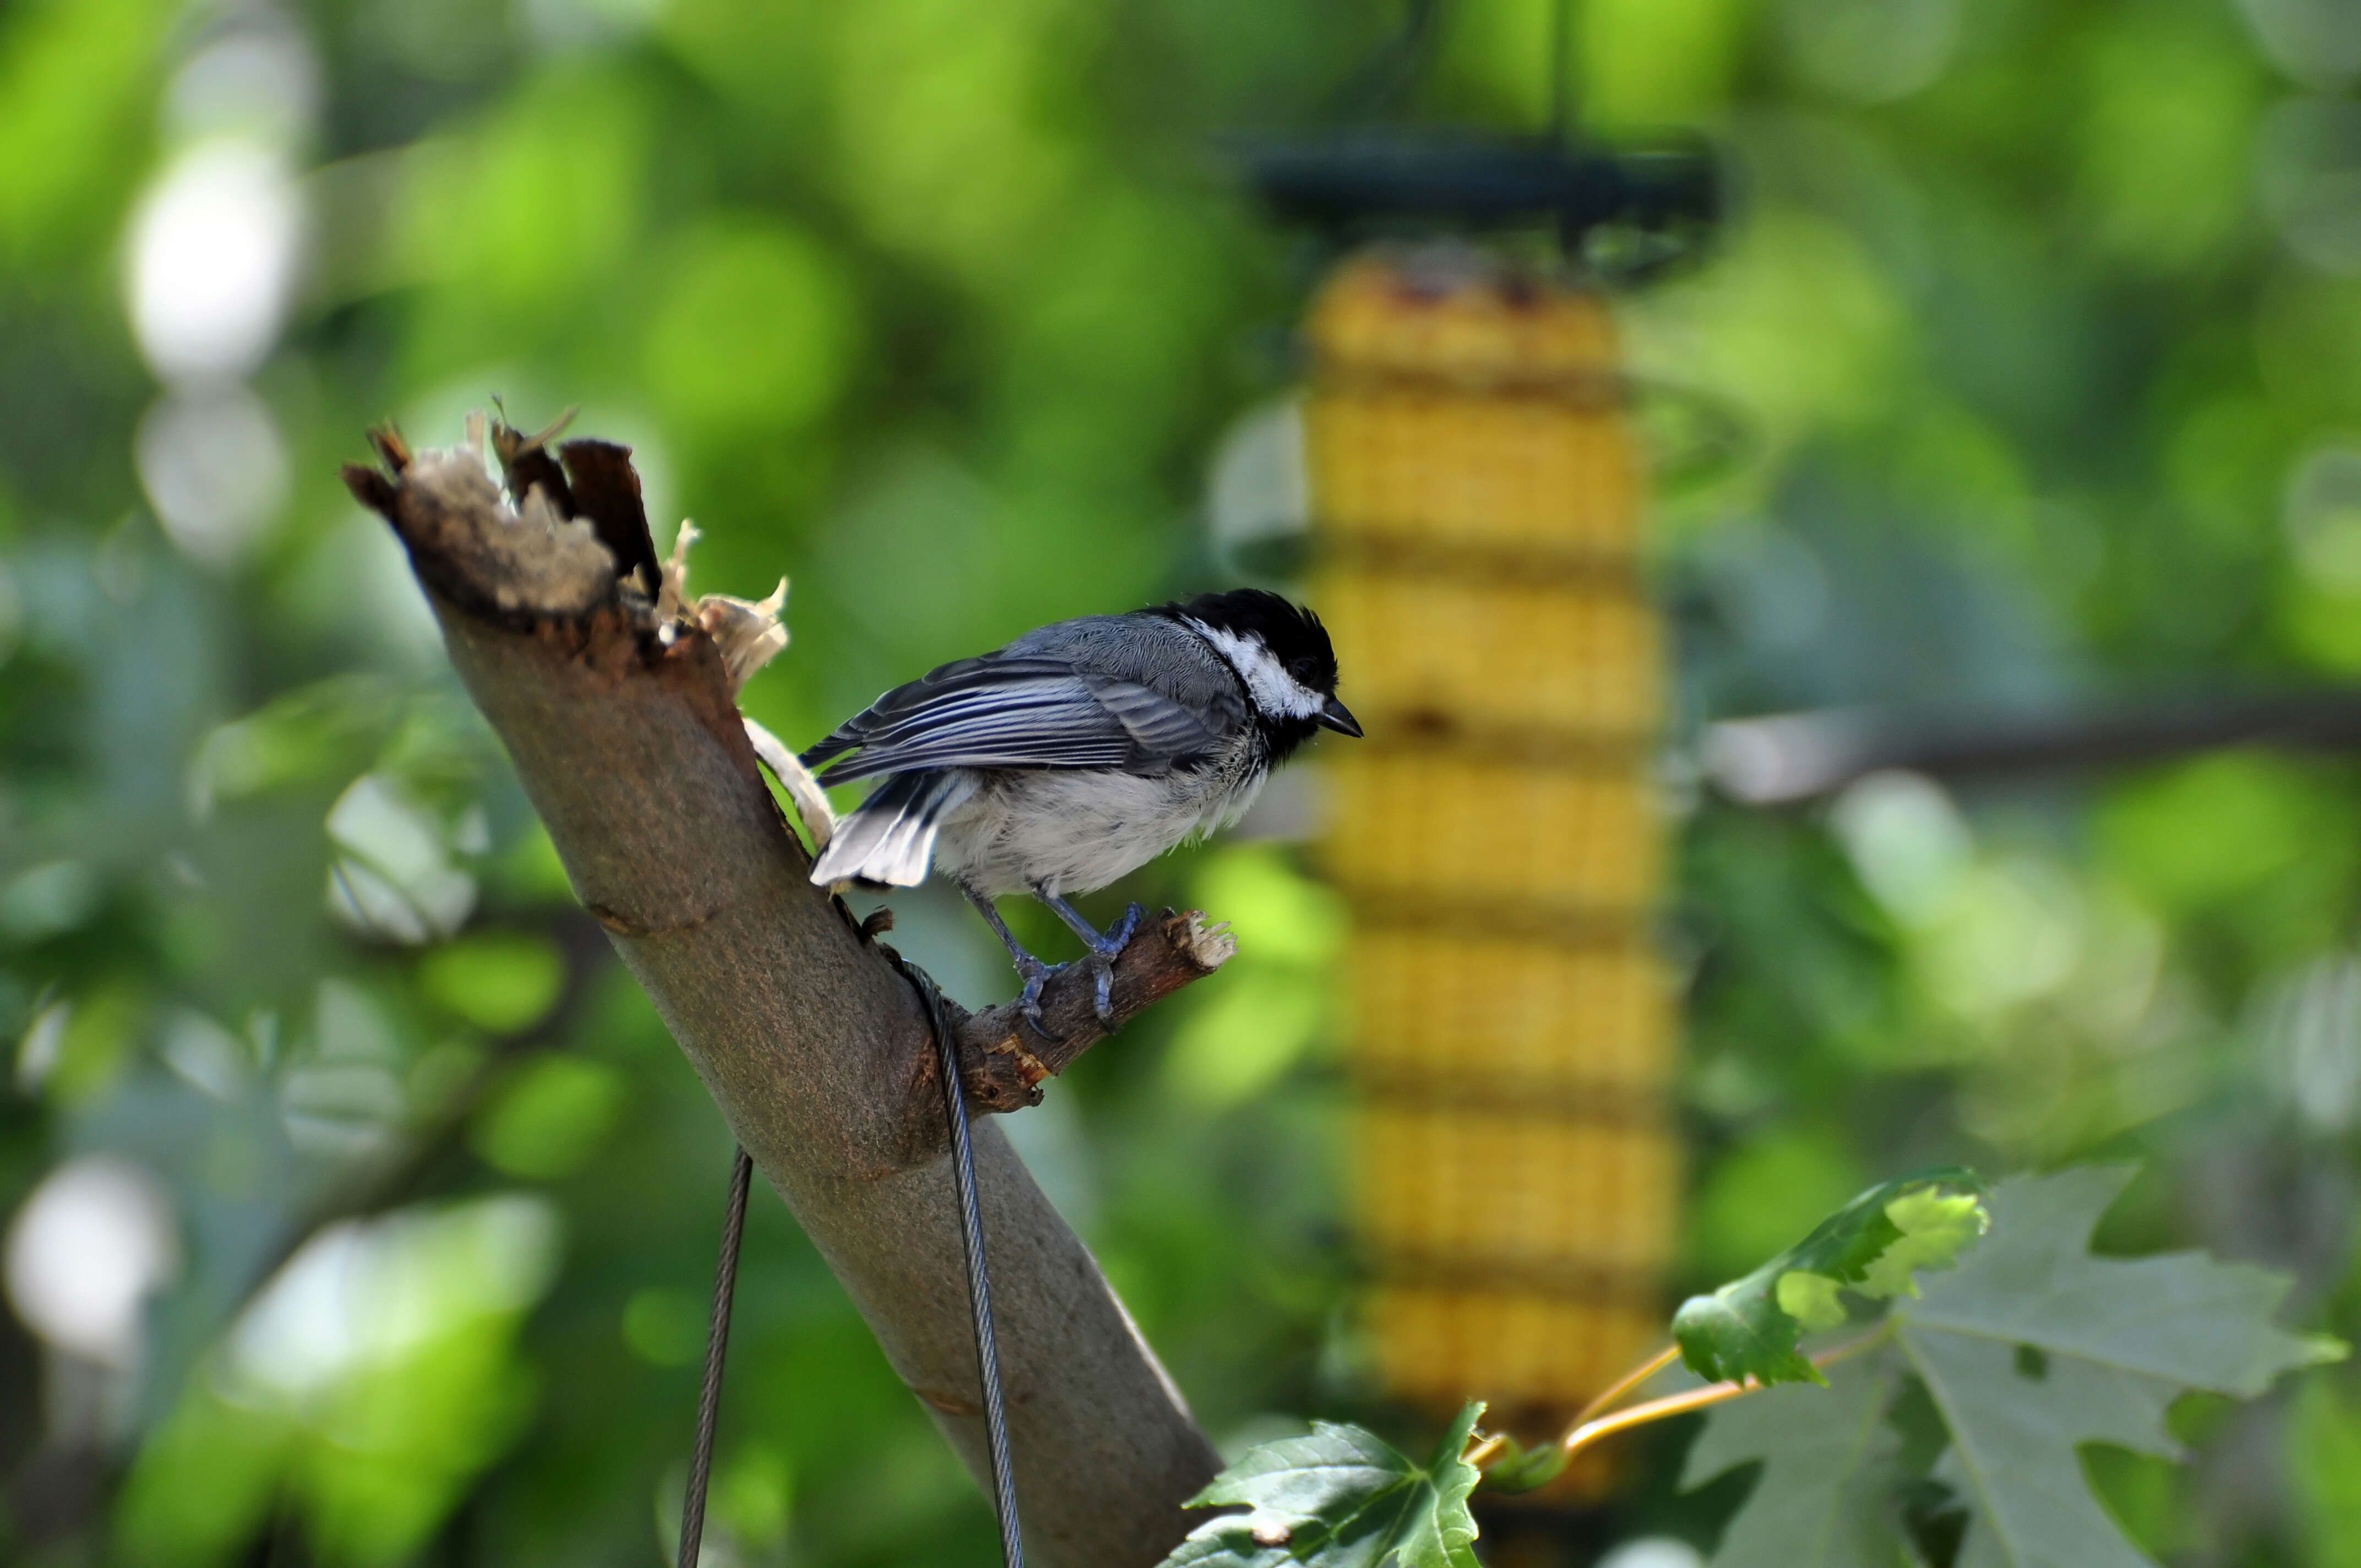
(1268, 682)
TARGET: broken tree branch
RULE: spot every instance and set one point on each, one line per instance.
(1004, 1059)
(623, 727)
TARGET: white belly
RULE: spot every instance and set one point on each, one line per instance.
(1073, 831)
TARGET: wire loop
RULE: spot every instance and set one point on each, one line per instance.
(717, 1344)
(978, 1274)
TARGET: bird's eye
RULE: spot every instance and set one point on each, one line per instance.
(1302, 669)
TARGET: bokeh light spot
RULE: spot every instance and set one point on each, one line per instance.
(215, 470)
(85, 1252)
(754, 329)
(551, 1118)
(214, 253)
(499, 980)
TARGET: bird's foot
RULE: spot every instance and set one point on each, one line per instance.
(1119, 935)
(1104, 952)
(1102, 967)
(1036, 972)
(1028, 1001)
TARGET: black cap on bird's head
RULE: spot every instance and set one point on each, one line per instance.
(1280, 649)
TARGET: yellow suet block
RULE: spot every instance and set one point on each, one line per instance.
(1461, 319)
(1501, 1009)
(1428, 651)
(1485, 471)
(1468, 407)
(1561, 841)
(1479, 501)
(1553, 1199)
(1536, 1348)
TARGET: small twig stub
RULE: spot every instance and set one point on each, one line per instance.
(1006, 1060)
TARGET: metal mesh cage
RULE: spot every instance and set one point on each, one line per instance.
(1512, 1031)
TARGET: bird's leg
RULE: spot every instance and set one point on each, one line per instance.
(1034, 972)
(1104, 948)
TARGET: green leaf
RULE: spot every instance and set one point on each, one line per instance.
(1936, 1227)
(1340, 1499)
(2032, 1348)
(1874, 1245)
(1828, 1466)
(2112, 1341)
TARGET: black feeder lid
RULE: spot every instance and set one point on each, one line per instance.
(1371, 182)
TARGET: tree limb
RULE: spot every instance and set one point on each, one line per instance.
(1004, 1059)
(1784, 759)
(624, 730)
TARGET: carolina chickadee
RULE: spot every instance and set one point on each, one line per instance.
(1079, 752)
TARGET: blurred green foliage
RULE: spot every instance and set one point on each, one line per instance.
(2041, 322)
(499, 982)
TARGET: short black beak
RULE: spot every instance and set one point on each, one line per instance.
(1339, 717)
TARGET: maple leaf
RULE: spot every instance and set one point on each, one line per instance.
(1339, 1498)
(1828, 1466)
(1874, 1245)
(2033, 1347)
(2036, 1346)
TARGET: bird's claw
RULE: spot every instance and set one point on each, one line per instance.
(1028, 1001)
(1098, 959)
(1103, 953)
(1103, 989)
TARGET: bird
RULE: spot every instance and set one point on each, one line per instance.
(1076, 754)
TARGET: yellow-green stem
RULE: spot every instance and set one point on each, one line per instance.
(1613, 1394)
(1585, 1432)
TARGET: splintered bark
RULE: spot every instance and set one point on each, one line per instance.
(616, 701)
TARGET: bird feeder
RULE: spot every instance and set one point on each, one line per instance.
(1477, 499)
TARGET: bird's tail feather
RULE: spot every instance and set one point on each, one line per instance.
(890, 838)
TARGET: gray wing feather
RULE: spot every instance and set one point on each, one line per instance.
(1069, 695)
(1039, 724)
(1158, 725)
